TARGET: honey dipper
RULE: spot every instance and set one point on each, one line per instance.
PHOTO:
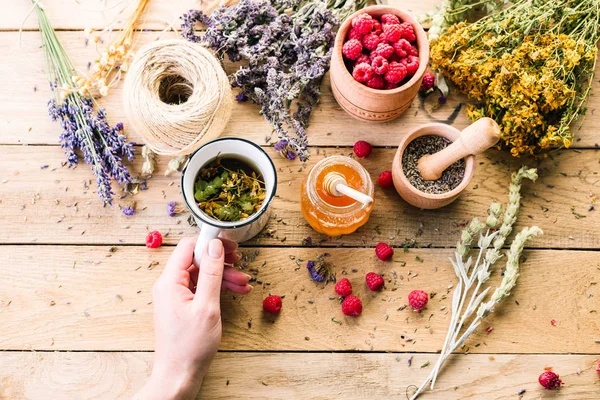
(473, 140)
(336, 185)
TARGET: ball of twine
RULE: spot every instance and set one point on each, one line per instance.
(177, 96)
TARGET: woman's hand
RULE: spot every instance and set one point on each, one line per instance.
(187, 317)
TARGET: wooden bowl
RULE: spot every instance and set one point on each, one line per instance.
(411, 194)
(363, 102)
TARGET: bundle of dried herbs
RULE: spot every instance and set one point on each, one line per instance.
(468, 298)
(529, 67)
(229, 190)
(287, 45)
(85, 126)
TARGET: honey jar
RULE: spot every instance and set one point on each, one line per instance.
(336, 213)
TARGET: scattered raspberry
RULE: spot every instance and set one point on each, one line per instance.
(376, 82)
(401, 47)
(384, 251)
(553, 322)
(598, 369)
(408, 32)
(390, 85)
(428, 82)
(153, 239)
(272, 304)
(370, 41)
(392, 33)
(418, 300)
(390, 19)
(377, 27)
(363, 23)
(549, 380)
(396, 72)
(354, 34)
(352, 49)
(412, 64)
(385, 179)
(380, 65)
(343, 288)
(362, 149)
(374, 281)
(362, 72)
(384, 50)
(352, 306)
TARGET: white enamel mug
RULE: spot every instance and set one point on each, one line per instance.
(210, 228)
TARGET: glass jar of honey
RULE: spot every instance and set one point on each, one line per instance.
(336, 215)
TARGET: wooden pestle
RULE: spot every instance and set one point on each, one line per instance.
(474, 139)
(335, 184)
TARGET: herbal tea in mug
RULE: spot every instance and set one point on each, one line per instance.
(229, 189)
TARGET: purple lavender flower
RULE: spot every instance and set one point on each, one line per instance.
(171, 210)
(241, 97)
(320, 269)
(281, 145)
(290, 155)
(129, 211)
(313, 273)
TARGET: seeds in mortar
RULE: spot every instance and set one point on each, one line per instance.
(430, 144)
(229, 189)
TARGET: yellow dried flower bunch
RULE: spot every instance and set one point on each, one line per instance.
(114, 59)
(529, 67)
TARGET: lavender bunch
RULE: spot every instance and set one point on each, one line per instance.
(83, 128)
(287, 52)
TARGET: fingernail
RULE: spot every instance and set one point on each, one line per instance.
(215, 249)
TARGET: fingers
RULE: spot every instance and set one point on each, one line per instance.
(208, 289)
(241, 289)
(236, 276)
(181, 258)
(229, 245)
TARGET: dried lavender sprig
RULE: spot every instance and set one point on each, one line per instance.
(103, 146)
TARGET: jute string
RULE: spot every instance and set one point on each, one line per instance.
(177, 96)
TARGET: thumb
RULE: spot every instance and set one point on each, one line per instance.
(210, 276)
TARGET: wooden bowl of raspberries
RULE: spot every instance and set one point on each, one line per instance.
(378, 62)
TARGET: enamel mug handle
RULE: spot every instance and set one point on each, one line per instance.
(207, 233)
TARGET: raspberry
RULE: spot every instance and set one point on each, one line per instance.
(352, 49)
(384, 251)
(401, 47)
(412, 65)
(428, 82)
(385, 179)
(352, 306)
(380, 65)
(384, 50)
(153, 239)
(354, 34)
(408, 32)
(390, 19)
(392, 33)
(376, 82)
(363, 23)
(413, 51)
(418, 300)
(362, 72)
(549, 380)
(363, 58)
(374, 281)
(272, 304)
(370, 41)
(396, 72)
(390, 85)
(343, 288)
(362, 149)
(377, 27)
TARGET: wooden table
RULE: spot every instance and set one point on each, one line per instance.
(76, 278)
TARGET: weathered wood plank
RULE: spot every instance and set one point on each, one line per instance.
(24, 119)
(159, 14)
(92, 298)
(79, 218)
(299, 376)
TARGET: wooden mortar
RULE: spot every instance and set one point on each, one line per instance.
(411, 194)
(363, 102)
